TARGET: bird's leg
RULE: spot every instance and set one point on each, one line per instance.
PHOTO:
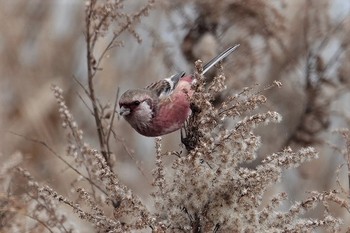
(183, 132)
(186, 136)
(191, 136)
(195, 109)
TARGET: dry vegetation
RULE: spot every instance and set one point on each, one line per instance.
(272, 157)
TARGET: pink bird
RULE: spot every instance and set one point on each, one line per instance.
(164, 106)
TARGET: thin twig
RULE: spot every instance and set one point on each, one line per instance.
(44, 144)
(91, 73)
(82, 86)
(86, 105)
(113, 115)
(39, 221)
(130, 154)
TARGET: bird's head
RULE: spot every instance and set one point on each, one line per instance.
(137, 106)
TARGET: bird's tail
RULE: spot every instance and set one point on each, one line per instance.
(218, 58)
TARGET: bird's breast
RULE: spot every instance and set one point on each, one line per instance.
(171, 114)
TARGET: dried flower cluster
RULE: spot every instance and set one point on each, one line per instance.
(100, 16)
(213, 187)
(208, 190)
(106, 190)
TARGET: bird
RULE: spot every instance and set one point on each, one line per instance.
(163, 106)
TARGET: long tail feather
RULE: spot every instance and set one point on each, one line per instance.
(218, 58)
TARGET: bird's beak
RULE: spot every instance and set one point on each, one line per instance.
(124, 111)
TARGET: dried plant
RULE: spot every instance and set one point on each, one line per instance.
(100, 16)
(211, 186)
(208, 190)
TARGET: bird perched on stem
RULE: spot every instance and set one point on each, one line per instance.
(163, 107)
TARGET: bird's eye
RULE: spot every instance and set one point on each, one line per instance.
(136, 103)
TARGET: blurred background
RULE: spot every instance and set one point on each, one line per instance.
(302, 43)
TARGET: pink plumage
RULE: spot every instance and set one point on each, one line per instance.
(162, 107)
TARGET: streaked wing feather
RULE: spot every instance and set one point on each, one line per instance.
(159, 87)
(166, 86)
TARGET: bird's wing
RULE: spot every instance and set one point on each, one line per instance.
(166, 86)
(218, 58)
